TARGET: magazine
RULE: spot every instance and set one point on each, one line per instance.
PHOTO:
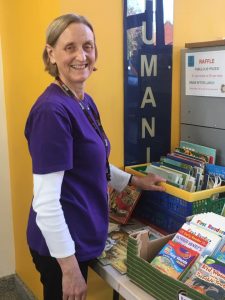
(121, 204)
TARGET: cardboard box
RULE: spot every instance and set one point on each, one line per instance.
(140, 252)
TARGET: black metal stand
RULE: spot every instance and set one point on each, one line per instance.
(116, 295)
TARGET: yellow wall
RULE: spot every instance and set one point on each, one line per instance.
(22, 26)
(22, 29)
(194, 21)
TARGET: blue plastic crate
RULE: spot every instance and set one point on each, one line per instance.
(162, 218)
(180, 206)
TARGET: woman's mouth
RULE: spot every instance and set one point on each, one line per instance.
(79, 67)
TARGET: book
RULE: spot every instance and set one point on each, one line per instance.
(185, 176)
(170, 176)
(173, 259)
(212, 238)
(185, 160)
(209, 279)
(190, 240)
(190, 152)
(176, 163)
(200, 149)
(215, 170)
(122, 204)
(210, 221)
(220, 251)
(213, 242)
(115, 252)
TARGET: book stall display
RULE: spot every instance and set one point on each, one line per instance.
(189, 262)
(180, 251)
(194, 185)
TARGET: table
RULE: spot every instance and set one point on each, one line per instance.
(121, 284)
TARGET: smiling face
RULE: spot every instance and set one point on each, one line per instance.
(74, 54)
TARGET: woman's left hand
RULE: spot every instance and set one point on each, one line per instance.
(149, 182)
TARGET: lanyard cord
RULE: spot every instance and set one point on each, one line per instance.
(97, 126)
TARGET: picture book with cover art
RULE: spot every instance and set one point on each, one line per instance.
(209, 279)
(115, 252)
(174, 259)
(121, 204)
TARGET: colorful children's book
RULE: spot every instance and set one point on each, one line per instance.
(115, 252)
(121, 204)
(180, 165)
(191, 153)
(210, 221)
(190, 240)
(211, 152)
(185, 160)
(209, 279)
(174, 259)
(213, 240)
(220, 251)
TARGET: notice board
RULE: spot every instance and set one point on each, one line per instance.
(203, 97)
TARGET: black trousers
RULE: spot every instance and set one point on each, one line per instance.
(51, 275)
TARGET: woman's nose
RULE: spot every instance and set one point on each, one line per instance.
(80, 55)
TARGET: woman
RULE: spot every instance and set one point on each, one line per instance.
(68, 219)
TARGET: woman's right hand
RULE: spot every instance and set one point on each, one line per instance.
(74, 286)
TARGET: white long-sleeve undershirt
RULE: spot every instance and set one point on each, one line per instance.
(119, 178)
(50, 217)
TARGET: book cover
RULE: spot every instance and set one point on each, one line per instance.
(209, 279)
(115, 252)
(121, 204)
(177, 164)
(201, 149)
(173, 259)
(193, 154)
(185, 160)
(170, 176)
(190, 240)
(185, 176)
(220, 251)
(210, 221)
(212, 239)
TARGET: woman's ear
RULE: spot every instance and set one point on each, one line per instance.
(50, 52)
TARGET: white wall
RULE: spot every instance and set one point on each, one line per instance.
(7, 252)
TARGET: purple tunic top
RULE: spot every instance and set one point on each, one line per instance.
(61, 138)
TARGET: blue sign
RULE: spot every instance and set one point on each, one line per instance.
(148, 83)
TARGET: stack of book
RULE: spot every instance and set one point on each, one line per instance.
(184, 168)
(196, 255)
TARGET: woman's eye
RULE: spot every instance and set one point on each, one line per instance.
(88, 47)
(69, 48)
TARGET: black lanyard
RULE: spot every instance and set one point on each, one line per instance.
(97, 125)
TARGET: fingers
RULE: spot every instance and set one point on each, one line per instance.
(75, 297)
(156, 178)
(158, 188)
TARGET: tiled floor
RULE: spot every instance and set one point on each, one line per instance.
(11, 295)
(12, 288)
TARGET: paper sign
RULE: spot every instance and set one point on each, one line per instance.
(205, 73)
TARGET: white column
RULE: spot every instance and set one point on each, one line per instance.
(7, 251)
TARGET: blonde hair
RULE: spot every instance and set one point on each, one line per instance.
(54, 30)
